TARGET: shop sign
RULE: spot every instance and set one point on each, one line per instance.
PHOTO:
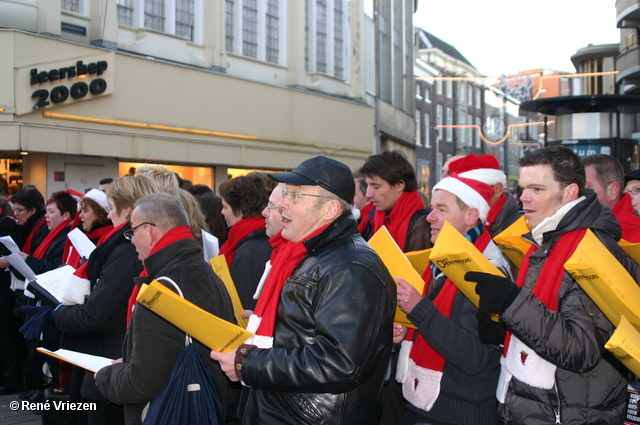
(61, 83)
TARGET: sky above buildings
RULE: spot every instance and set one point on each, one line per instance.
(507, 36)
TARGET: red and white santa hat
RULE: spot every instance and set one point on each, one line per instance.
(474, 193)
(99, 197)
(485, 168)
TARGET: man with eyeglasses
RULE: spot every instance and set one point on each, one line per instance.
(323, 340)
(632, 187)
(162, 237)
(605, 176)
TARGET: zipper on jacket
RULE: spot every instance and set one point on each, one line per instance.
(557, 412)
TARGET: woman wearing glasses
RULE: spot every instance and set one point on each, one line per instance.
(101, 320)
(247, 248)
(28, 210)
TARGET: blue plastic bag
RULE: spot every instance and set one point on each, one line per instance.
(191, 395)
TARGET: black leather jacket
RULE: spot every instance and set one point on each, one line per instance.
(332, 338)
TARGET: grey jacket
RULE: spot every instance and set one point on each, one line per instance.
(590, 384)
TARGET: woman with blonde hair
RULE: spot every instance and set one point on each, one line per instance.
(100, 322)
(164, 178)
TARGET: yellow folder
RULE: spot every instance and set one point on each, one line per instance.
(512, 243)
(455, 256)
(219, 265)
(605, 280)
(632, 249)
(212, 331)
(625, 345)
(398, 265)
(419, 259)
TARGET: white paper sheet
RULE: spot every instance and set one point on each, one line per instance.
(10, 244)
(18, 263)
(55, 281)
(210, 244)
(85, 361)
(81, 242)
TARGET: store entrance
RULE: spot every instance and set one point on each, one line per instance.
(196, 175)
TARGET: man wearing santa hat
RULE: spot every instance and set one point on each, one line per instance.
(448, 372)
(486, 168)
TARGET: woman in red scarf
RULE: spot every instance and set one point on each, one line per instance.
(60, 210)
(92, 218)
(247, 248)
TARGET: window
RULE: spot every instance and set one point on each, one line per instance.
(427, 130)
(470, 94)
(250, 28)
(478, 99)
(631, 39)
(418, 94)
(439, 86)
(154, 14)
(228, 25)
(70, 5)
(427, 94)
(326, 37)
(440, 163)
(449, 125)
(469, 132)
(184, 18)
(125, 12)
(418, 128)
(449, 89)
(439, 120)
(476, 132)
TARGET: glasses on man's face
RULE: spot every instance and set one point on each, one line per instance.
(271, 206)
(128, 234)
(294, 196)
(635, 191)
(19, 210)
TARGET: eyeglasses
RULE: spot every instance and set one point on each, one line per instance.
(19, 210)
(270, 206)
(293, 196)
(128, 234)
(634, 191)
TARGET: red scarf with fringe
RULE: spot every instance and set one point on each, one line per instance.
(172, 236)
(397, 222)
(46, 243)
(284, 260)
(549, 280)
(422, 353)
(27, 245)
(237, 233)
(629, 221)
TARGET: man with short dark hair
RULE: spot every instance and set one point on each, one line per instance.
(104, 184)
(393, 189)
(555, 369)
(323, 340)
(605, 176)
(162, 237)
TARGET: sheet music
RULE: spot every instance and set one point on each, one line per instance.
(210, 244)
(10, 244)
(81, 242)
(85, 361)
(56, 281)
(19, 264)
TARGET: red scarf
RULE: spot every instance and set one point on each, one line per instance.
(365, 212)
(238, 232)
(172, 236)
(283, 264)
(549, 280)
(46, 243)
(81, 272)
(495, 210)
(27, 246)
(629, 221)
(422, 353)
(71, 254)
(397, 222)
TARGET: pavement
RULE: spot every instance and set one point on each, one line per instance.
(8, 416)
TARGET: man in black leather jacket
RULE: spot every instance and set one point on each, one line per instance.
(333, 303)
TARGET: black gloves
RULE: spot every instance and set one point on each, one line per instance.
(33, 327)
(496, 292)
(490, 332)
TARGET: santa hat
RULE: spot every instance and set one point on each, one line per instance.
(99, 197)
(472, 192)
(485, 168)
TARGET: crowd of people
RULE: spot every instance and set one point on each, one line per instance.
(319, 300)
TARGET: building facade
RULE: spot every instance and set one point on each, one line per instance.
(89, 89)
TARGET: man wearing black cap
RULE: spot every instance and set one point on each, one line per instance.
(323, 343)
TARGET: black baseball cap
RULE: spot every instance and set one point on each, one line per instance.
(327, 173)
(634, 175)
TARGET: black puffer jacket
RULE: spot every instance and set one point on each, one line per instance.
(590, 384)
(332, 337)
